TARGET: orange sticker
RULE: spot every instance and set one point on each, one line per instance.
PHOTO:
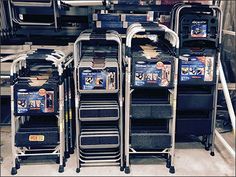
(42, 92)
(36, 138)
(160, 65)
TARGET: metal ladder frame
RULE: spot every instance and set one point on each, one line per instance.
(174, 40)
(86, 36)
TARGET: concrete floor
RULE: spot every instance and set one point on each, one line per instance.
(191, 160)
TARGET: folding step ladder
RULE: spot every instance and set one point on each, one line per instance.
(150, 91)
(37, 105)
(200, 30)
(98, 97)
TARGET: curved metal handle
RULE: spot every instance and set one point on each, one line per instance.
(173, 12)
(86, 36)
(50, 3)
(180, 8)
(154, 28)
(29, 3)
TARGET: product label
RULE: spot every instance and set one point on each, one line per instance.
(101, 80)
(155, 73)
(199, 29)
(41, 101)
(38, 138)
(197, 68)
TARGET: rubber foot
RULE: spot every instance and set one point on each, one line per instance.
(172, 170)
(71, 151)
(168, 164)
(13, 171)
(121, 168)
(207, 148)
(77, 170)
(212, 154)
(127, 170)
(17, 164)
(61, 169)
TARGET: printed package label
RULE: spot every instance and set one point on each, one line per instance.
(199, 29)
(197, 68)
(156, 73)
(98, 80)
(41, 101)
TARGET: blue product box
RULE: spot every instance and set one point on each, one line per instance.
(197, 68)
(101, 80)
(41, 101)
(158, 74)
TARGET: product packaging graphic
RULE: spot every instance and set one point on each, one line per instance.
(197, 68)
(41, 101)
(152, 73)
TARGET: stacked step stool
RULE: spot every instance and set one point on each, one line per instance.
(120, 21)
(151, 89)
(98, 89)
(37, 105)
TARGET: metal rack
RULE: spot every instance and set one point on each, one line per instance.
(37, 105)
(206, 43)
(99, 120)
(14, 16)
(164, 142)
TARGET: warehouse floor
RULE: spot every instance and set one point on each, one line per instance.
(191, 160)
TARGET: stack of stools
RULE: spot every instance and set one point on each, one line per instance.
(151, 89)
(69, 110)
(199, 28)
(98, 95)
(120, 21)
(37, 105)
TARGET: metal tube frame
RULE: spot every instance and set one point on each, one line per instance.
(131, 31)
(84, 2)
(60, 148)
(86, 36)
(36, 4)
(16, 20)
(211, 139)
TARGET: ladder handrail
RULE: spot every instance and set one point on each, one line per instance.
(227, 97)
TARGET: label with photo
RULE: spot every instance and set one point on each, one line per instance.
(197, 68)
(98, 80)
(199, 29)
(41, 101)
(153, 73)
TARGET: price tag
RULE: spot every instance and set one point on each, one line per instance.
(38, 138)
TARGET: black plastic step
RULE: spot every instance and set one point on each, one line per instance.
(38, 131)
(150, 141)
(99, 111)
(192, 126)
(151, 111)
(195, 102)
(36, 137)
(98, 138)
(150, 125)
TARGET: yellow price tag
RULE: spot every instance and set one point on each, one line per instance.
(39, 138)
